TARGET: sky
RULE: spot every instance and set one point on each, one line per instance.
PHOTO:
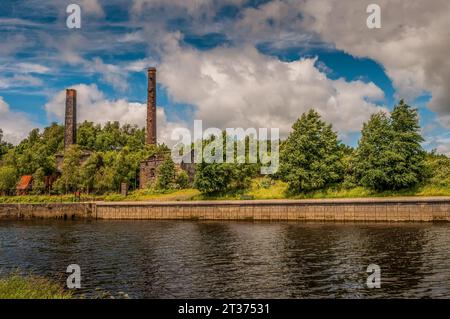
(230, 63)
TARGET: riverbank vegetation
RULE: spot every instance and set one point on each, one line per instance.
(16, 286)
(388, 161)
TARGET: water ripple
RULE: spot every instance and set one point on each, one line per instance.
(174, 259)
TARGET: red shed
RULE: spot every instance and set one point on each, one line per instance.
(25, 185)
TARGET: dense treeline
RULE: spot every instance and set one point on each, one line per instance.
(114, 154)
(389, 157)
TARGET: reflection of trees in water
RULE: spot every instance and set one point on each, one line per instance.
(157, 259)
(46, 247)
(308, 255)
(217, 253)
(241, 259)
(399, 251)
(52, 246)
(332, 260)
(156, 254)
(436, 259)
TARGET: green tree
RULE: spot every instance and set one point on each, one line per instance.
(213, 178)
(104, 180)
(4, 146)
(166, 174)
(70, 179)
(389, 155)
(39, 182)
(8, 179)
(439, 165)
(222, 178)
(88, 171)
(374, 154)
(87, 135)
(409, 169)
(182, 180)
(311, 157)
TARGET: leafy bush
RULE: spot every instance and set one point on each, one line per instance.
(182, 180)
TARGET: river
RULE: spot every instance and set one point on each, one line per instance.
(184, 259)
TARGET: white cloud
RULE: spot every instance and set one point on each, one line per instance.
(92, 7)
(412, 43)
(93, 106)
(15, 125)
(31, 68)
(19, 80)
(139, 65)
(444, 148)
(240, 87)
(111, 73)
(131, 37)
(18, 75)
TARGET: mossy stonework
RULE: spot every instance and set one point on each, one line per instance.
(324, 210)
(49, 210)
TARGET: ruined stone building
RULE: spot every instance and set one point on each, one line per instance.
(148, 168)
(25, 184)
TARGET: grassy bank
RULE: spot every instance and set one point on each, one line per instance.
(31, 287)
(36, 199)
(260, 189)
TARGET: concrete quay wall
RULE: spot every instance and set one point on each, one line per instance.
(325, 210)
(50, 210)
(368, 210)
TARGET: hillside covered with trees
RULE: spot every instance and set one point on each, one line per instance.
(388, 160)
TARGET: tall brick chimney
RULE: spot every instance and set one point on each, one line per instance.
(151, 107)
(70, 133)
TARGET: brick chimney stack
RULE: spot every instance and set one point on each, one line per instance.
(70, 133)
(151, 107)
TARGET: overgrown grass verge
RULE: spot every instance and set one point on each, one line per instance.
(152, 195)
(16, 286)
(36, 199)
(261, 188)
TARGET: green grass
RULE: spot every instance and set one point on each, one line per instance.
(261, 188)
(151, 195)
(278, 190)
(361, 192)
(36, 199)
(16, 286)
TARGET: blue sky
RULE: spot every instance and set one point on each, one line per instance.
(230, 63)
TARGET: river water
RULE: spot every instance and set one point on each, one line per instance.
(183, 259)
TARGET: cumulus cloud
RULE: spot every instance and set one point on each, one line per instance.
(412, 43)
(15, 125)
(240, 87)
(93, 106)
(92, 7)
(444, 147)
